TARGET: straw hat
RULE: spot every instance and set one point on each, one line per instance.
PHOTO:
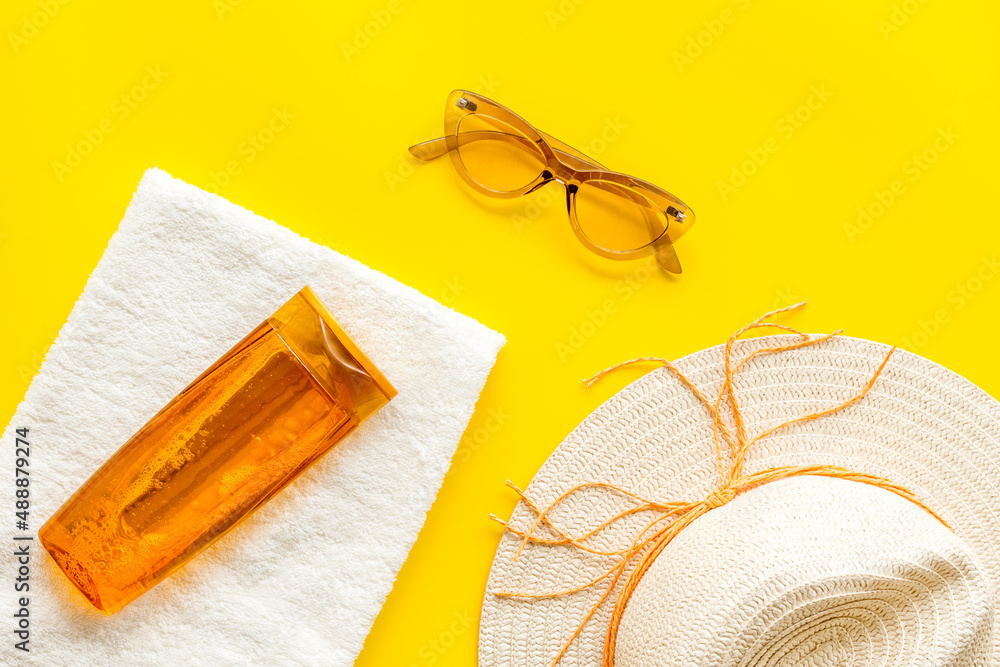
(803, 570)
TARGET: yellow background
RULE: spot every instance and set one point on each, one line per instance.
(682, 94)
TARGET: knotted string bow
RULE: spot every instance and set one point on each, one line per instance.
(673, 517)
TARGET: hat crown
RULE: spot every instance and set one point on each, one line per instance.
(811, 571)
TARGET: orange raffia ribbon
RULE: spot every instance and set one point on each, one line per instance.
(673, 517)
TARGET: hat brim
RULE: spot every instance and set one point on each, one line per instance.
(921, 426)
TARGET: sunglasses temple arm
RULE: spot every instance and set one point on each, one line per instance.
(435, 148)
(666, 256)
(430, 150)
(663, 247)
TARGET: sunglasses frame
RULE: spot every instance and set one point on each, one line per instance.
(570, 167)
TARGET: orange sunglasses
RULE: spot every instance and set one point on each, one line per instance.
(501, 155)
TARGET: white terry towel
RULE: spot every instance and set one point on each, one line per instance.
(186, 276)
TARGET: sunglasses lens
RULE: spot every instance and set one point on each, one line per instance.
(615, 217)
(496, 155)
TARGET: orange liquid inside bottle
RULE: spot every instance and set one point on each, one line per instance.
(241, 432)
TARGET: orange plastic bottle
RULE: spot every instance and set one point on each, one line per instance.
(237, 435)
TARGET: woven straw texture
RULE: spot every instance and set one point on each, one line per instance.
(804, 571)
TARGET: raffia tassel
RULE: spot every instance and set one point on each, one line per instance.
(672, 517)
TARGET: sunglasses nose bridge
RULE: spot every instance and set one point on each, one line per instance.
(564, 179)
(562, 173)
(547, 177)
